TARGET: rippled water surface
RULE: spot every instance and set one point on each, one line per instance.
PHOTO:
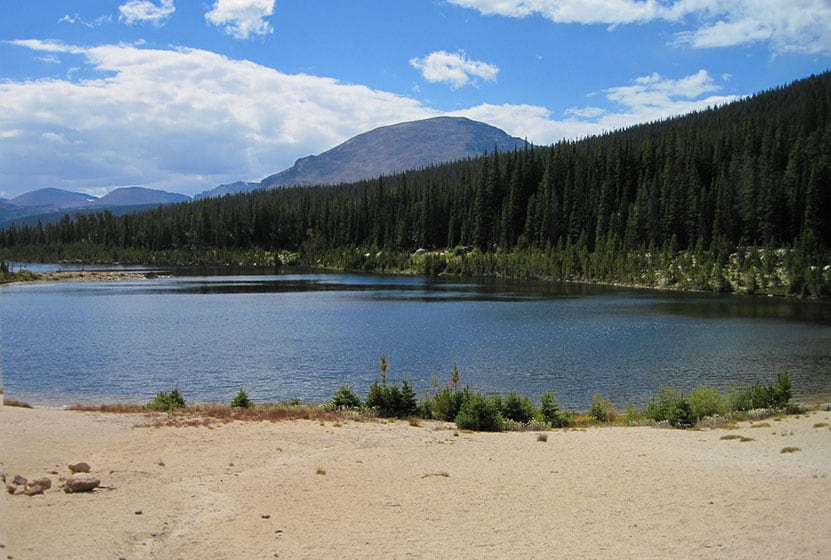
(286, 336)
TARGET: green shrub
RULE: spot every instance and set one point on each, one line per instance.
(706, 401)
(446, 403)
(388, 401)
(241, 400)
(167, 401)
(757, 395)
(517, 408)
(480, 413)
(345, 398)
(602, 409)
(551, 413)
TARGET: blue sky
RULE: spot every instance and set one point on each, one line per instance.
(184, 96)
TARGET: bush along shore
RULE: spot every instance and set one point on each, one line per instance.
(471, 409)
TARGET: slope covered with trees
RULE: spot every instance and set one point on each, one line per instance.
(732, 198)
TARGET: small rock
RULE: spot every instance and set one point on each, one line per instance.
(19, 480)
(11, 488)
(138, 512)
(53, 471)
(33, 490)
(45, 483)
(266, 516)
(80, 467)
(81, 484)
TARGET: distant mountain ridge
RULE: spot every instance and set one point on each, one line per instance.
(382, 151)
(385, 151)
(53, 201)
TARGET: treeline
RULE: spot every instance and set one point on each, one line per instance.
(752, 178)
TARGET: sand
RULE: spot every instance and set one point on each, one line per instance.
(373, 489)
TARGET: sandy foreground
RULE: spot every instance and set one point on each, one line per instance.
(302, 489)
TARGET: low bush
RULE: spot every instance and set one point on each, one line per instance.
(602, 409)
(165, 402)
(775, 396)
(551, 413)
(388, 401)
(345, 398)
(480, 413)
(707, 401)
(446, 403)
(241, 400)
(668, 405)
(517, 408)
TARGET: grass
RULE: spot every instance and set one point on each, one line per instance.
(741, 439)
(790, 449)
(320, 471)
(209, 414)
(18, 404)
(760, 425)
(442, 474)
(820, 424)
(542, 437)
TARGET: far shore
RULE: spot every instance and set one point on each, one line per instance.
(359, 488)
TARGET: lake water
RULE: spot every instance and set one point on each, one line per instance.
(286, 336)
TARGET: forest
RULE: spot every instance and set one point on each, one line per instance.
(733, 198)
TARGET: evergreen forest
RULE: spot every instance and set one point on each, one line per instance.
(733, 198)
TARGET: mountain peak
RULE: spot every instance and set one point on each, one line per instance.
(396, 148)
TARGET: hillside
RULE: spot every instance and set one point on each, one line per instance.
(395, 148)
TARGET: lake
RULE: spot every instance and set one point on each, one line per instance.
(294, 335)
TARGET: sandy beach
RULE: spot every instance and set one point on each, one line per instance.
(361, 489)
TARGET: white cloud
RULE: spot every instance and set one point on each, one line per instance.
(455, 69)
(183, 120)
(76, 19)
(187, 120)
(139, 11)
(650, 98)
(242, 18)
(800, 26)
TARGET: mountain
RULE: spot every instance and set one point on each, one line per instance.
(394, 148)
(131, 196)
(53, 198)
(231, 188)
(50, 204)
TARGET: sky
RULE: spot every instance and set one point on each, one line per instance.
(187, 95)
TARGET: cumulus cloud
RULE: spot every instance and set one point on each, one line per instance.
(242, 18)
(801, 26)
(187, 120)
(140, 11)
(649, 98)
(180, 119)
(455, 69)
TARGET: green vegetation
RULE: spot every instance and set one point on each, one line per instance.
(7, 275)
(472, 410)
(730, 199)
(165, 402)
(241, 400)
(345, 398)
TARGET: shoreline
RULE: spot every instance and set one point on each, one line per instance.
(373, 488)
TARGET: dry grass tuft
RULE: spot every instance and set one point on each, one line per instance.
(17, 403)
(320, 471)
(542, 437)
(760, 425)
(790, 449)
(820, 424)
(742, 439)
(442, 474)
(109, 408)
